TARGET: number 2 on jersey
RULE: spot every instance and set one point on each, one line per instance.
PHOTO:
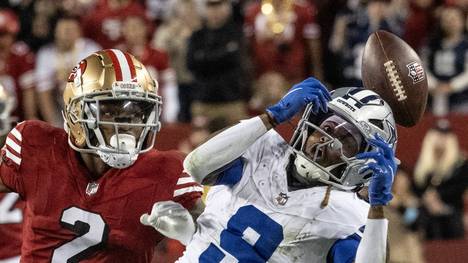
(251, 236)
(92, 234)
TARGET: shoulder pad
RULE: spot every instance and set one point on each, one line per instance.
(30, 133)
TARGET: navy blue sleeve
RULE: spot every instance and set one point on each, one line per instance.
(232, 174)
(344, 250)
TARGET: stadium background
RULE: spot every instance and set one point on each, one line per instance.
(267, 54)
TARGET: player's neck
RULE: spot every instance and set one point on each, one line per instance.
(96, 167)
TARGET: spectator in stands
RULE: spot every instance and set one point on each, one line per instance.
(159, 10)
(419, 23)
(402, 215)
(136, 35)
(201, 132)
(54, 62)
(352, 28)
(37, 18)
(172, 36)
(16, 66)
(76, 8)
(268, 89)
(285, 38)
(441, 177)
(104, 24)
(447, 63)
(215, 58)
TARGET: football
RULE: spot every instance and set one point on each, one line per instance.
(392, 69)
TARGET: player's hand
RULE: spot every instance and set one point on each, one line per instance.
(172, 220)
(308, 91)
(384, 167)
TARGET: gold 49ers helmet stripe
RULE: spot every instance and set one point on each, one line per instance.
(123, 65)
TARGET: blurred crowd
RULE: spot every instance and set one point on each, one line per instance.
(218, 61)
(429, 201)
(221, 58)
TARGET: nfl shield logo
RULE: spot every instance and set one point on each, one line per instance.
(92, 188)
(415, 72)
(282, 199)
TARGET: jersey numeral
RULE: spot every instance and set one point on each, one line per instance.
(251, 236)
(8, 213)
(92, 233)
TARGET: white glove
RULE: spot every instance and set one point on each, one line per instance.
(172, 220)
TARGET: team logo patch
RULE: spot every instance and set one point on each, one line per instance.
(282, 199)
(415, 72)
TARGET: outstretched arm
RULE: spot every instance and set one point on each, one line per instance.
(373, 245)
(210, 159)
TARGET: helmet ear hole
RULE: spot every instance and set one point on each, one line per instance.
(378, 123)
(367, 176)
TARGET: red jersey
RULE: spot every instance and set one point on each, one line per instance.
(17, 73)
(11, 216)
(104, 24)
(70, 216)
(287, 56)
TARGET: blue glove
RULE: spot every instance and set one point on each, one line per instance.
(383, 168)
(308, 91)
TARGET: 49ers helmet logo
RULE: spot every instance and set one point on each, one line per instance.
(77, 71)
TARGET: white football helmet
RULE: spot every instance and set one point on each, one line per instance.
(112, 91)
(354, 116)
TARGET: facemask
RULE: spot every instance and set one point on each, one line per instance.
(310, 171)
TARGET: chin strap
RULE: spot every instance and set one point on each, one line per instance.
(118, 160)
(311, 171)
(124, 142)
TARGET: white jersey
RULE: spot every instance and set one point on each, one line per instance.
(259, 220)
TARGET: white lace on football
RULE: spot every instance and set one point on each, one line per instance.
(395, 80)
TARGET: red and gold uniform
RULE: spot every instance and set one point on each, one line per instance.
(70, 216)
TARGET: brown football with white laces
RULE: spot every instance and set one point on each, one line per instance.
(392, 69)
